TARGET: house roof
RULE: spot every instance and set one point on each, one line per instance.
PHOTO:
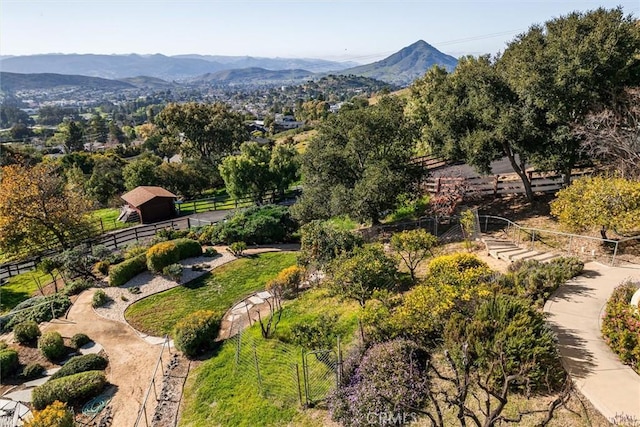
(141, 195)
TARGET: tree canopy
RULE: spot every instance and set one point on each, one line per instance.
(36, 211)
(203, 131)
(358, 163)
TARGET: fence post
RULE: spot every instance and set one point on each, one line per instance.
(570, 244)
(135, 231)
(255, 358)
(613, 258)
(188, 223)
(298, 381)
(533, 239)
(438, 185)
(495, 186)
(115, 241)
(101, 226)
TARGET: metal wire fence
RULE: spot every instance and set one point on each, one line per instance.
(283, 373)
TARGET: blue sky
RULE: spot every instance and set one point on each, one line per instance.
(362, 31)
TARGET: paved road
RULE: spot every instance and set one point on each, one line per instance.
(574, 313)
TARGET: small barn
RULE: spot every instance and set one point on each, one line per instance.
(152, 204)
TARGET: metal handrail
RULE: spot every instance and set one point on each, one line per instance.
(571, 236)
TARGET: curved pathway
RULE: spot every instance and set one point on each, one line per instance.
(574, 312)
(132, 355)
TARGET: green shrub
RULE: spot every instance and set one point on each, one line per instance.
(161, 255)
(188, 248)
(120, 274)
(54, 415)
(33, 371)
(237, 248)
(73, 390)
(52, 346)
(210, 252)
(173, 271)
(27, 332)
(100, 298)
(536, 281)
(135, 250)
(77, 364)
(321, 242)
(8, 362)
(79, 340)
(287, 283)
(76, 287)
(256, 225)
(509, 332)
(316, 334)
(102, 267)
(40, 310)
(196, 332)
(621, 325)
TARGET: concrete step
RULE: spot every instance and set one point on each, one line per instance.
(496, 251)
(545, 257)
(507, 255)
(526, 255)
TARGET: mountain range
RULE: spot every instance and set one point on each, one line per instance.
(401, 68)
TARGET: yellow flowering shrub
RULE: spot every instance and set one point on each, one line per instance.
(54, 415)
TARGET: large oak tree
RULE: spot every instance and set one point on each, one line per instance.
(37, 211)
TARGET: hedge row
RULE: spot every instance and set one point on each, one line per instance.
(120, 274)
(164, 254)
(72, 390)
(621, 325)
(84, 363)
(42, 313)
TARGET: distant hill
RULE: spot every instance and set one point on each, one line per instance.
(254, 76)
(147, 82)
(10, 82)
(406, 65)
(236, 62)
(169, 68)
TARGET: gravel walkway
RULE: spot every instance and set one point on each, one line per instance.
(149, 284)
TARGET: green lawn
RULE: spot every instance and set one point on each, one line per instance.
(219, 392)
(157, 314)
(108, 217)
(20, 288)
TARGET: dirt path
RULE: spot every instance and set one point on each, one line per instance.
(131, 359)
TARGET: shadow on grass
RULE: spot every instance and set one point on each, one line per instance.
(9, 298)
(198, 282)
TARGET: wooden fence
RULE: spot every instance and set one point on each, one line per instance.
(112, 240)
(541, 182)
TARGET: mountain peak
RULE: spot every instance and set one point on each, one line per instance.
(406, 65)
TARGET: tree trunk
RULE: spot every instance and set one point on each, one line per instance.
(603, 232)
(521, 170)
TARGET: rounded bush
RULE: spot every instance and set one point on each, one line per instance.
(102, 267)
(100, 298)
(287, 282)
(84, 363)
(120, 274)
(51, 345)
(161, 255)
(188, 248)
(74, 389)
(76, 287)
(8, 362)
(237, 248)
(33, 371)
(79, 340)
(54, 415)
(27, 332)
(173, 271)
(196, 332)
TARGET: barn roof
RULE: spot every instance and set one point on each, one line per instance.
(141, 195)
